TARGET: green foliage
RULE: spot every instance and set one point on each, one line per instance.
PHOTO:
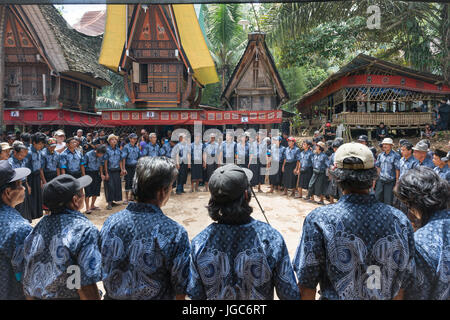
(211, 95)
(113, 96)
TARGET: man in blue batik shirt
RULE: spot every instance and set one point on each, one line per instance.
(152, 148)
(13, 231)
(62, 245)
(145, 254)
(440, 161)
(130, 156)
(358, 248)
(388, 171)
(71, 161)
(427, 196)
(421, 154)
(237, 257)
(228, 149)
(407, 162)
(50, 165)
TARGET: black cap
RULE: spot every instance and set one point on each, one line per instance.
(229, 182)
(363, 138)
(132, 136)
(8, 174)
(61, 189)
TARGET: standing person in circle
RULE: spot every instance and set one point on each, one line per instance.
(113, 171)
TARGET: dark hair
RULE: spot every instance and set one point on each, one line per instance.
(423, 190)
(101, 149)
(349, 179)
(60, 209)
(337, 143)
(408, 145)
(13, 185)
(19, 146)
(38, 137)
(236, 212)
(25, 137)
(152, 175)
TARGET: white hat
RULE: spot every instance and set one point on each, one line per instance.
(356, 150)
(387, 141)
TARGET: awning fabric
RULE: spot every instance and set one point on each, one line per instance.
(51, 117)
(191, 37)
(189, 117)
(114, 36)
(194, 44)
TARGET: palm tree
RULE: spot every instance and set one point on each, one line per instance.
(226, 38)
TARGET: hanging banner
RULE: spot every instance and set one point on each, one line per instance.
(51, 117)
(159, 117)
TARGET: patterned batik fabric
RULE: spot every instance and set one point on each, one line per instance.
(145, 254)
(357, 248)
(13, 231)
(432, 277)
(61, 245)
(241, 262)
(388, 163)
(407, 164)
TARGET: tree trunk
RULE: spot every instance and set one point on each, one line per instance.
(446, 42)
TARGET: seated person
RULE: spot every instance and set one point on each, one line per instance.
(428, 132)
(382, 132)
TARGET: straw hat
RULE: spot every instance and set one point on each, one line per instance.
(111, 136)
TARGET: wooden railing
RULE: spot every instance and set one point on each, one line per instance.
(399, 119)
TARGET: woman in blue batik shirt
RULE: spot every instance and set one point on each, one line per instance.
(427, 197)
(34, 163)
(50, 167)
(210, 158)
(94, 161)
(275, 163)
(242, 152)
(17, 160)
(130, 156)
(195, 162)
(306, 169)
(62, 244)
(113, 171)
(333, 190)
(253, 163)
(290, 166)
(237, 257)
(317, 185)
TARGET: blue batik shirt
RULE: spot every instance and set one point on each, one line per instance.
(277, 156)
(291, 155)
(331, 160)
(212, 151)
(388, 163)
(427, 163)
(131, 154)
(50, 160)
(57, 243)
(34, 159)
(305, 158)
(166, 150)
(13, 231)
(16, 164)
(113, 156)
(71, 161)
(151, 150)
(228, 151)
(407, 164)
(358, 248)
(444, 173)
(197, 152)
(182, 149)
(320, 162)
(242, 152)
(241, 262)
(432, 281)
(92, 162)
(145, 254)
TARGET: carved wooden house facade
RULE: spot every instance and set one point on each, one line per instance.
(47, 66)
(255, 83)
(157, 71)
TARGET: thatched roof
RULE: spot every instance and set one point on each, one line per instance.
(68, 51)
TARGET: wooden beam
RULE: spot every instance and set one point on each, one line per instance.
(2, 64)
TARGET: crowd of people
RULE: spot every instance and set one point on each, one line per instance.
(387, 237)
